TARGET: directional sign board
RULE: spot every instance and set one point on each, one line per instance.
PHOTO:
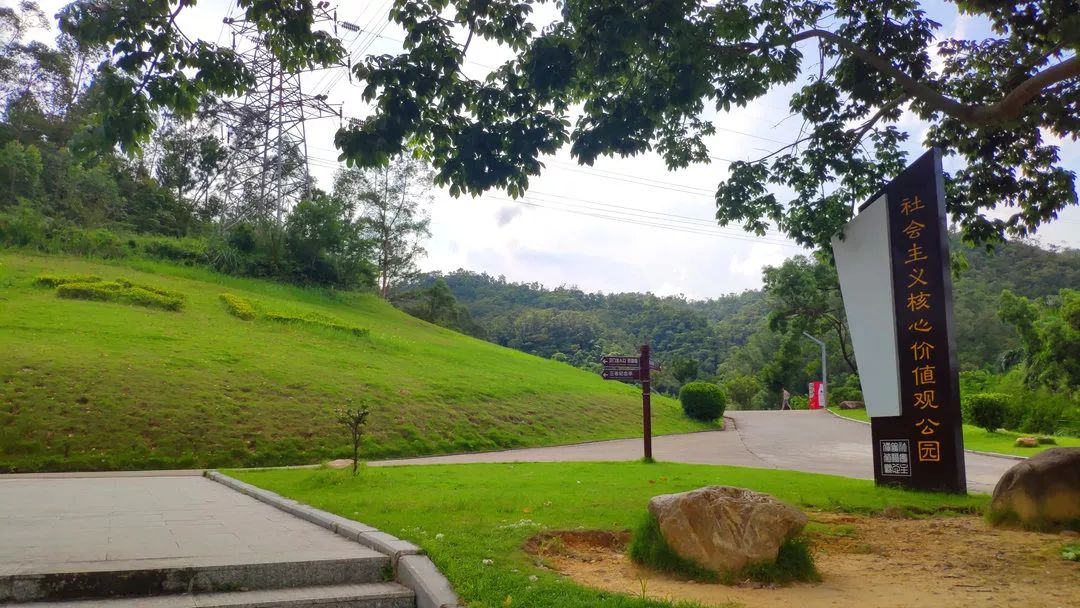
(634, 362)
(631, 369)
(610, 373)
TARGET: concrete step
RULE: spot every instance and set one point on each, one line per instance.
(370, 595)
(152, 577)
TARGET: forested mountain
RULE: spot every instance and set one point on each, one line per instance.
(730, 335)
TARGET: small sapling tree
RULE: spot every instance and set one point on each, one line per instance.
(355, 418)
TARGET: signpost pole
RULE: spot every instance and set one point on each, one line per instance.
(646, 406)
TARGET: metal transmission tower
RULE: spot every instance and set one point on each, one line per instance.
(267, 171)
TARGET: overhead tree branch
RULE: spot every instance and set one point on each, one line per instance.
(977, 115)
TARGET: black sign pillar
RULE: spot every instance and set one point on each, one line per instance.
(923, 447)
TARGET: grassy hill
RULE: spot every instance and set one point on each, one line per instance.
(90, 385)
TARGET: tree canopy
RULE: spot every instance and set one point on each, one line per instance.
(641, 76)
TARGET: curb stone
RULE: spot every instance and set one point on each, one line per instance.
(979, 452)
(412, 568)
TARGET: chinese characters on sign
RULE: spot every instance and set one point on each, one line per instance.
(922, 447)
(921, 349)
(896, 457)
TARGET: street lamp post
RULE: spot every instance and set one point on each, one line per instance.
(824, 369)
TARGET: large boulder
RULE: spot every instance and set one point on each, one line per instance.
(1042, 491)
(722, 528)
(852, 405)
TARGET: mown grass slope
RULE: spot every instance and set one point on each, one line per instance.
(88, 385)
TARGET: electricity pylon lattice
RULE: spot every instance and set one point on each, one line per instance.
(267, 171)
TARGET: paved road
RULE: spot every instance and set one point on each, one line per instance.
(113, 522)
(813, 441)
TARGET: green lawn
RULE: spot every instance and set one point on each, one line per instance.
(90, 385)
(465, 514)
(975, 438)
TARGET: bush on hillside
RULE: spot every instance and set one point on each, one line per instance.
(161, 291)
(119, 292)
(312, 321)
(986, 410)
(99, 243)
(56, 280)
(238, 307)
(798, 402)
(184, 251)
(703, 400)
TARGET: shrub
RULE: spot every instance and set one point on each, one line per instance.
(703, 400)
(23, 226)
(1046, 441)
(798, 402)
(119, 292)
(96, 243)
(313, 321)
(56, 280)
(185, 251)
(845, 392)
(987, 410)
(168, 293)
(238, 307)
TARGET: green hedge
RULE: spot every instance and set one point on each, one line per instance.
(121, 292)
(985, 410)
(703, 400)
(56, 280)
(238, 307)
(315, 322)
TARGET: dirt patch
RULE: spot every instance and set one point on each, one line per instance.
(864, 561)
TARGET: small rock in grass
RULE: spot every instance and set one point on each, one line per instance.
(1027, 442)
(488, 562)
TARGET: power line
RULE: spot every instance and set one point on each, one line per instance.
(663, 216)
(622, 220)
(637, 215)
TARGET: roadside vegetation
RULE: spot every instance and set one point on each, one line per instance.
(981, 440)
(475, 532)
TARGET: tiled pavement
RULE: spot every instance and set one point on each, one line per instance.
(101, 522)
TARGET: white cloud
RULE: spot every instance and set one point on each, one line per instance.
(506, 214)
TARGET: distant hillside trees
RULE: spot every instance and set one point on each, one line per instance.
(437, 304)
(1049, 329)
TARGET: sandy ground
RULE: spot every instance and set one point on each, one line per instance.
(866, 562)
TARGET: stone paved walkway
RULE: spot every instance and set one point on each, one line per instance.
(106, 522)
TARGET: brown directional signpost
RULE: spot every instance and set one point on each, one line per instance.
(634, 369)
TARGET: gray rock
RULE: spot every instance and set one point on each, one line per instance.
(723, 528)
(852, 405)
(1043, 490)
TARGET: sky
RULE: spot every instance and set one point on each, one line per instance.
(625, 224)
